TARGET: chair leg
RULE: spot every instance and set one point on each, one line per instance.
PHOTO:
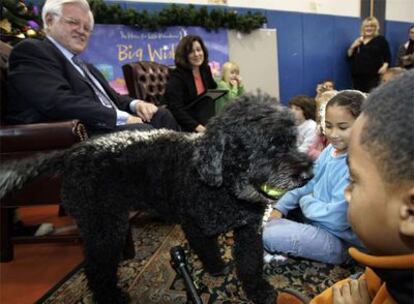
(62, 211)
(6, 224)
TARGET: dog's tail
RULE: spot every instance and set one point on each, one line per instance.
(15, 174)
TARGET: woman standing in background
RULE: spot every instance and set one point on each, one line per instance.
(370, 56)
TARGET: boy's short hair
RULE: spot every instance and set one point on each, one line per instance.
(307, 105)
(388, 134)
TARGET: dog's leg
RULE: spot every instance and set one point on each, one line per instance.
(104, 236)
(207, 250)
(248, 255)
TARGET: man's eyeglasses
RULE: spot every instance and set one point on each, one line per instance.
(76, 23)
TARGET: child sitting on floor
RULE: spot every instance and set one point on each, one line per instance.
(381, 198)
(322, 231)
(231, 81)
(304, 109)
(320, 142)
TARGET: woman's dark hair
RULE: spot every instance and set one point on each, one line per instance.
(350, 99)
(307, 105)
(184, 48)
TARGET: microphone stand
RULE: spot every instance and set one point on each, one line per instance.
(179, 263)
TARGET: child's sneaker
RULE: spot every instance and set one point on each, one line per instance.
(274, 259)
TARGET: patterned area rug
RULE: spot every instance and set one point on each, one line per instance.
(149, 277)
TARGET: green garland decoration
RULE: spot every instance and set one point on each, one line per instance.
(19, 21)
(176, 15)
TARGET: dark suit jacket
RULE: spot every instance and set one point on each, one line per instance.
(44, 86)
(181, 91)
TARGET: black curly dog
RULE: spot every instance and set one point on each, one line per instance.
(209, 183)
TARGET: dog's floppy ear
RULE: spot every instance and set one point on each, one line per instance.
(208, 159)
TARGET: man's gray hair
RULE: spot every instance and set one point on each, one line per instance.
(54, 7)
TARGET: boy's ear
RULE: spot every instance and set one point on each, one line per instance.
(407, 214)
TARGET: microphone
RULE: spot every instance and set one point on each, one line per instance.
(179, 263)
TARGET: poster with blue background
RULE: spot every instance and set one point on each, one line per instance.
(112, 46)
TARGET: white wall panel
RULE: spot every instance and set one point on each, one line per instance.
(400, 10)
(256, 54)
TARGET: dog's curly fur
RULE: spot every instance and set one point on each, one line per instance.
(208, 183)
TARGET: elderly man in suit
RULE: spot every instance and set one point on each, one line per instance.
(48, 82)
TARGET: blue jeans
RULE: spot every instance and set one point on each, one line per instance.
(304, 240)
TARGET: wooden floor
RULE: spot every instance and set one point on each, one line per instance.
(37, 267)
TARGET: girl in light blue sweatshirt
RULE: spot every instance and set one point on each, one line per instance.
(314, 221)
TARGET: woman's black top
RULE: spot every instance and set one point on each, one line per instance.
(368, 58)
(181, 91)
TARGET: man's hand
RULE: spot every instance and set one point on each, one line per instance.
(133, 120)
(145, 110)
(352, 292)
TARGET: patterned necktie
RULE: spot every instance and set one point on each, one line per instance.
(92, 81)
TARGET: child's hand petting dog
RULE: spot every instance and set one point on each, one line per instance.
(275, 214)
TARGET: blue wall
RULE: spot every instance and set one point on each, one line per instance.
(311, 47)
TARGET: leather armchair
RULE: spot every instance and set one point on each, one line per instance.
(146, 80)
(20, 141)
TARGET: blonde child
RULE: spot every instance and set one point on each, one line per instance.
(325, 86)
(321, 232)
(320, 141)
(231, 81)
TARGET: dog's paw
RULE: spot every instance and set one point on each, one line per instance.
(224, 271)
(116, 297)
(263, 294)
